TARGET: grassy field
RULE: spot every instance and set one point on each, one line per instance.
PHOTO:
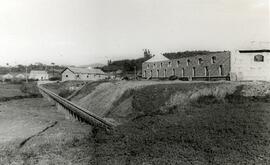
(10, 90)
(61, 86)
(207, 130)
(162, 123)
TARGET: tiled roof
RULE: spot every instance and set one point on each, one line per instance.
(157, 58)
(186, 54)
(85, 70)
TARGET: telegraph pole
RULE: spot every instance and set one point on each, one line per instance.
(26, 79)
(135, 72)
(53, 68)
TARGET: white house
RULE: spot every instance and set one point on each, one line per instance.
(252, 64)
(73, 73)
(39, 75)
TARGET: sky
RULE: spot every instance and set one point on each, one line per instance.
(79, 32)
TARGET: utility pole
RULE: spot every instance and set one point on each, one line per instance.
(135, 72)
(53, 68)
(26, 79)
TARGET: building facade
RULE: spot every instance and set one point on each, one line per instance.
(250, 65)
(38, 75)
(85, 74)
(196, 66)
(235, 65)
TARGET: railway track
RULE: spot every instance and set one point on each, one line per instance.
(76, 111)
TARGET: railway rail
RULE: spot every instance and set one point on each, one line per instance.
(76, 111)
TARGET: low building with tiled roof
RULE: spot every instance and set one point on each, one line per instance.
(75, 73)
(39, 75)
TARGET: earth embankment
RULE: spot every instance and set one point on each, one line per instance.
(183, 123)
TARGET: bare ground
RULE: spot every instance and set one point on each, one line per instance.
(33, 132)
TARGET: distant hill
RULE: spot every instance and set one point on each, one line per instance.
(95, 65)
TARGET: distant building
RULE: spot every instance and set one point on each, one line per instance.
(73, 73)
(250, 64)
(20, 76)
(7, 76)
(235, 65)
(39, 75)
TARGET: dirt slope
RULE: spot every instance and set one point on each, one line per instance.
(104, 97)
(183, 123)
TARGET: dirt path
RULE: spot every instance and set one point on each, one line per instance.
(21, 118)
(32, 131)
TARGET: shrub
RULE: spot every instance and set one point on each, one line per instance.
(173, 78)
(55, 78)
(163, 78)
(31, 89)
(183, 78)
(125, 78)
(65, 93)
(31, 80)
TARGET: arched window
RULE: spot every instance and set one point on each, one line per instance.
(259, 58)
(161, 64)
(154, 66)
(178, 63)
(188, 62)
(193, 71)
(214, 59)
(200, 61)
(173, 72)
(165, 72)
(206, 71)
(221, 70)
(148, 66)
(157, 73)
(169, 64)
(183, 72)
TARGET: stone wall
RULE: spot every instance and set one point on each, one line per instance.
(211, 65)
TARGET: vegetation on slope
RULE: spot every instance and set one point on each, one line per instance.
(216, 127)
(162, 123)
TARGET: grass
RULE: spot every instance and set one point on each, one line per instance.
(10, 90)
(213, 127)
(67, 85)
(210, 134)
(184, 123)
(90, 86)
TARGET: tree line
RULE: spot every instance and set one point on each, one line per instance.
(127, 65)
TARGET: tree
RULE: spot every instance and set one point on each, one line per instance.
(147, 54)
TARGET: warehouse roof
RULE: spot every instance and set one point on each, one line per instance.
(77, 70)
(157, 58)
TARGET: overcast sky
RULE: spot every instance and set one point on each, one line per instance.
(89, 31)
